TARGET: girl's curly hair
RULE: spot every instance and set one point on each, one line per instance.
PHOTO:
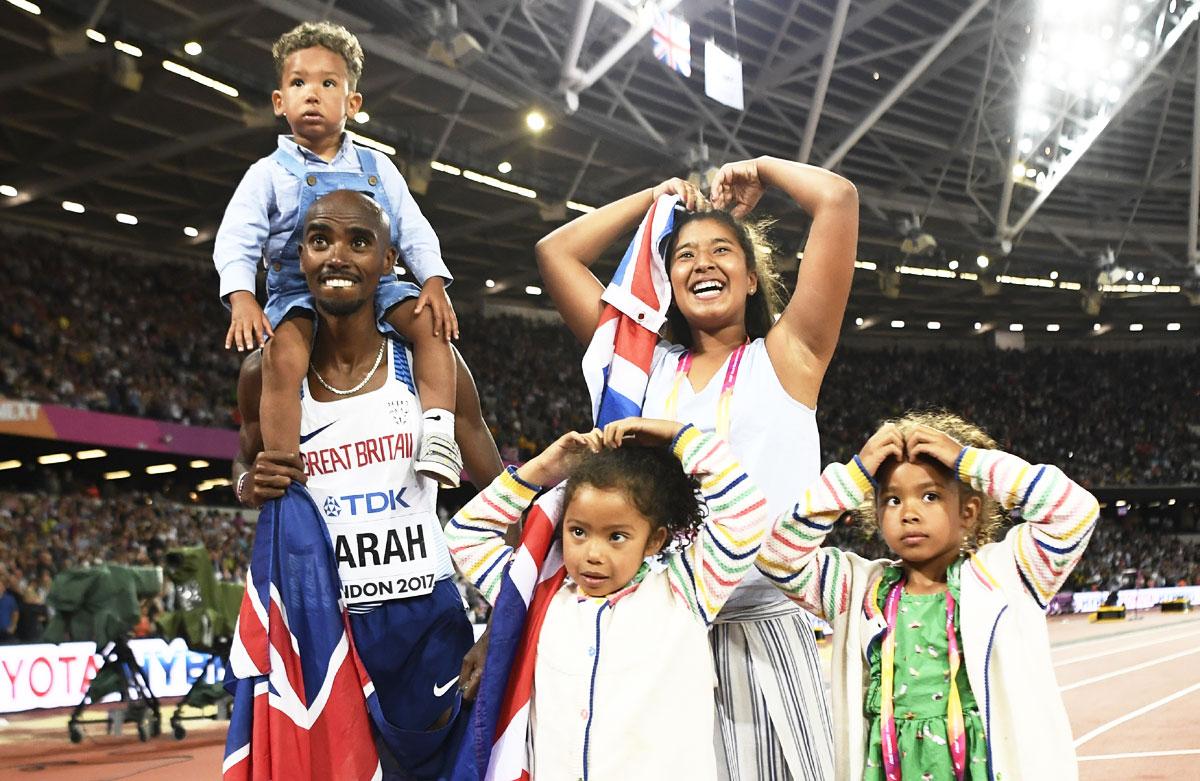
(653, 480)
(766, 301)
(991, 515)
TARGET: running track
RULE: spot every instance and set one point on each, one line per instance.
(1132, 690)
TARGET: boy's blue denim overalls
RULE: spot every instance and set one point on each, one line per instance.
(287, 290)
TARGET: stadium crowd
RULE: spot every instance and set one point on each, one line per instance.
(85, 330)
(110, 342)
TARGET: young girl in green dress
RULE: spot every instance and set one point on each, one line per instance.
(941, 663)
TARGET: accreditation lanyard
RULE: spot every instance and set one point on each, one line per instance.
(724, 403)
(955, 725)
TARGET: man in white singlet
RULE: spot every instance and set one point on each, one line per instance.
(360, 420)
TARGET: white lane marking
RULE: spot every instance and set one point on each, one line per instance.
(1180, 752)
(1130, 669)
(1134, 714)
(1074, 659)
(1124, 633)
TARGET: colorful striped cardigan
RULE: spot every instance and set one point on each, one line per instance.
(626, 681)
(1005, 588)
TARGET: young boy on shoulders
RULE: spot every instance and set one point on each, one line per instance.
(318, 65)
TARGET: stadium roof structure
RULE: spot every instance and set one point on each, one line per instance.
(985, 127)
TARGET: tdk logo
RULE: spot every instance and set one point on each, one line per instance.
(376, 501)
(332, 508)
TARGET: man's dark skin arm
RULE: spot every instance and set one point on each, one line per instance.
(271, 472)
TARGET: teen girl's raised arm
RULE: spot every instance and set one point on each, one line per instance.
(802, 342)
(566, 255)
(1060, 515)
(792, 556)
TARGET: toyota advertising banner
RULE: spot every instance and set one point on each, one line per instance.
(56, 676)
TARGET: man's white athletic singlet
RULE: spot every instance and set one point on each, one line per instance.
(382, 516)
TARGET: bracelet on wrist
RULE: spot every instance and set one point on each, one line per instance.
(241, 483)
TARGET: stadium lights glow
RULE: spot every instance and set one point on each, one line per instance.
(897, 324)
(54, 458)
(1136, 288)
(362, 117)
(200, 78)
(1052, 327)
(193, 48)
(8, 190)
(72, 206)
(858, 321)
(1054, 275)
(1155, 281)
(499, 184)
(84, 455)
(1172, 326)
(953, 265)
(866, 265)
(445, 168)
(978, 326)
(489, 283)
(875, 75)
(199, 463)
(96, 35)
(126, 219)
(968, 275)
(120, 474)
(127, 48)
(190, 231)
(982, 261)
(1016, 327)
(504, 167)
(1027, 281)
(918, 271)
(533, 290)
(933, 325)
(580, 207)
(1070, 285)
(25, 5)
(216, 482)
(11, 463)
(1096, 327)
(387, 149)
(1135, 326)
(535, 121)
(160, 469)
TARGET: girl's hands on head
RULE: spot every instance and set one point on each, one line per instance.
(692, 198)
(929, 442)
(640, 431)
(552, 465)
(885, 443)
(737, 187)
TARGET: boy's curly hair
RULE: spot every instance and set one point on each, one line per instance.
(991, 513)
(653, 480)
(766, 302)
(328, 35)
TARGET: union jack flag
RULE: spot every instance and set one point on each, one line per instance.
(673, 42)
(495, 748)
(300, 706)
(616, 365)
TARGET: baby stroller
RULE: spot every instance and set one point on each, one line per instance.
(102, 604)
(205, 615)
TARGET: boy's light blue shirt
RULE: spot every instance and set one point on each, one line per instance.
(262, 215)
